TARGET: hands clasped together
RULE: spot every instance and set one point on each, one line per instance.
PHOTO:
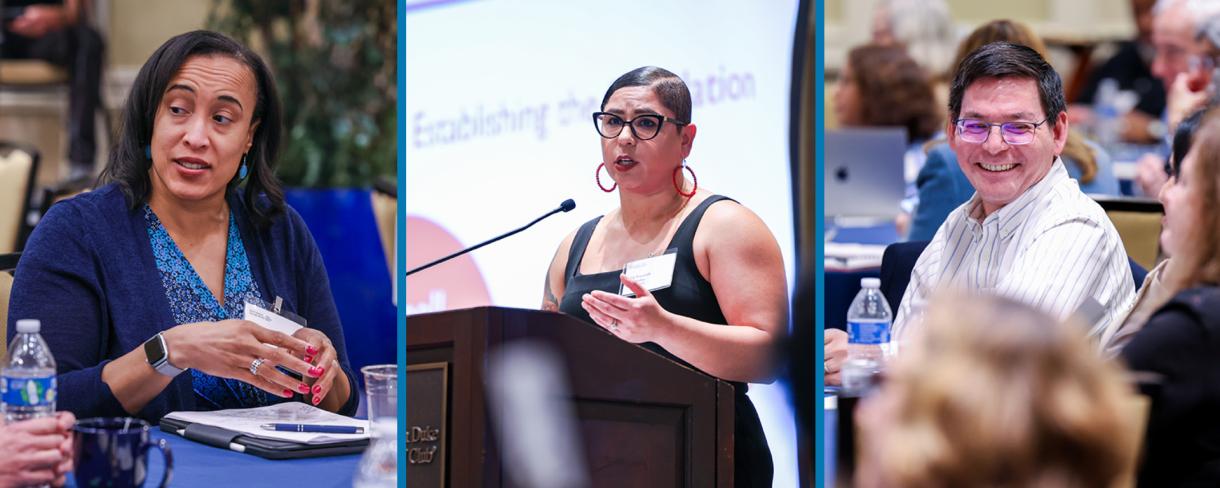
(242, 350)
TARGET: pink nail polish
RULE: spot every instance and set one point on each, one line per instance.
(321, 370)
(311, 350)
(317, 389)
(316, 399)
(303, 388)
(308, 359)
(287, 392)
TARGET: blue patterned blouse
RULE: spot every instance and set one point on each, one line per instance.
(191, 301)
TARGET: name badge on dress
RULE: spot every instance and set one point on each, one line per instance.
(655, 273)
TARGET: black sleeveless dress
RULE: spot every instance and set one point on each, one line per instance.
(689, 295)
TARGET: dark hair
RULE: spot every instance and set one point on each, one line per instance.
(1003, 59)
(894, 91)
(669, 88)
(1183, 137)
(128, 164)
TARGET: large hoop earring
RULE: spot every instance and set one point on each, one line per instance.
(598, 175)
(678, 183)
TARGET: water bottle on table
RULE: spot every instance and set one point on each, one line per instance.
(868, 338)
(27, 378)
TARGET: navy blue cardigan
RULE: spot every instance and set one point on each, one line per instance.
(88, 274)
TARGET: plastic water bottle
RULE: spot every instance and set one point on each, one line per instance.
(868, 338)
(27, 378)
(1105, 107)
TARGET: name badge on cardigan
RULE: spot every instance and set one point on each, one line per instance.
(255, 312)
(653, 273)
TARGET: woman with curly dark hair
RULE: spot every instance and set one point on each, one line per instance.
(882, 86)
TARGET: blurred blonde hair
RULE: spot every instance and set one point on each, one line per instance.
(993, 393)
(1005, 30)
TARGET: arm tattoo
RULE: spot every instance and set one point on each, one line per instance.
(549, 302)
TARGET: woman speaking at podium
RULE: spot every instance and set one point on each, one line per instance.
(710, 289)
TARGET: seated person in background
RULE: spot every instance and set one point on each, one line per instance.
(1180, 344)
(1028, 232)
(1181, 65)
(145, 277)
(58, 32)
(1131, 69)
(883, 87)
(1153, 293)
(992, 392)
(941, 184)
(924, 27)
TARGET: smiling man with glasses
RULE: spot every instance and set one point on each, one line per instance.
(1028, 232)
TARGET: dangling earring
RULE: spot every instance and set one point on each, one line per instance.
(243, 169)
(678, 183)
(598, 175)
(147, 152)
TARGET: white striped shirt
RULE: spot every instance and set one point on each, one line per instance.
(1052, 247)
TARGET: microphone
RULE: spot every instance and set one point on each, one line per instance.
(566, 206)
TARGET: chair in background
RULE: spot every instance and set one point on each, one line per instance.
(30, 74)
(385, 211)
(1138, 221)
(8, 263)
(899, 260)
(1135, 410)
(18, 170)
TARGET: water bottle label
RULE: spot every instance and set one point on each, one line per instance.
(868, 332)
(27, 392)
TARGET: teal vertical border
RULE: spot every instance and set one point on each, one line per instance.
(401, 239)
(819, 458)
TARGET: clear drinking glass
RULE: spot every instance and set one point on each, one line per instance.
(381, 393)
(379, 465)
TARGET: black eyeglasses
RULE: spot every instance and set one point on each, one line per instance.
(643, 127)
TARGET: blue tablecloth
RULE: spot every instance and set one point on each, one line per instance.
(199, 465)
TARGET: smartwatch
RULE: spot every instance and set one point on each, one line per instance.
(158, 356)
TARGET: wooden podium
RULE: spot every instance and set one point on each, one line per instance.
(644, 420)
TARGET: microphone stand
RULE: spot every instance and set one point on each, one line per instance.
(564, 207)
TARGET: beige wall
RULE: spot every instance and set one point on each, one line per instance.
(137, 27)
(849, 22)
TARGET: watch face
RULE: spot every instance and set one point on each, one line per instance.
(154, 349)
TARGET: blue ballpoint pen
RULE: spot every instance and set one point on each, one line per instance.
(321, 429)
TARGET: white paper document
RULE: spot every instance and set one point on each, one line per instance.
(852, 256)
(249, 421)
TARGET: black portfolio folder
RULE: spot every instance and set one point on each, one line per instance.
(261, 447)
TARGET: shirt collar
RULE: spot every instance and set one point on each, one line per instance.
(1005, 215)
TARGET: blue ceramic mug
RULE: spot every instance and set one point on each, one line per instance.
(113, 452)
